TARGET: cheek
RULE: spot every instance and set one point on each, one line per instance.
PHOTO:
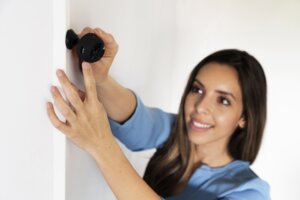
(227, 122)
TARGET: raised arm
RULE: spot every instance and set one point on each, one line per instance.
(87, 126)
(118, 101)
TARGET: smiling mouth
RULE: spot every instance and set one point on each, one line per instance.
(198, 126)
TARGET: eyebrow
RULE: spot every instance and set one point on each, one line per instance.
(218, 91)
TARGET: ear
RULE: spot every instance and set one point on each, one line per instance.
(242, 122)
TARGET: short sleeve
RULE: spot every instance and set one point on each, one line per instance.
(147, 128)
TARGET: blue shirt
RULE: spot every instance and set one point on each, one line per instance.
(150, 127)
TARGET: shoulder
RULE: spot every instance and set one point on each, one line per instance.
(235, 181)
(255, 189)
(247, 185)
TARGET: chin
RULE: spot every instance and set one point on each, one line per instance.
(196, 140)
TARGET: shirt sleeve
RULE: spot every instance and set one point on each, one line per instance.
(147, 128)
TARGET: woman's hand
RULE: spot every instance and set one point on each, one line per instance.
(119, 102)
(87, 126)
(86, 119)
(101, 67)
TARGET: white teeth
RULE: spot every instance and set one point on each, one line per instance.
(199, 125)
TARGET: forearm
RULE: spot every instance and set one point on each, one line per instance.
(119, 174)
(118, 101)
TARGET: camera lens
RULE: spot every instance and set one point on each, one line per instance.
(90, 48)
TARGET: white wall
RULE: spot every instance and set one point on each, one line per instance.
(26, 147)
(161, 41)
(145, 31)
(270, 31)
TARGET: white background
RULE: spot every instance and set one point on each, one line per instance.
(160, 42)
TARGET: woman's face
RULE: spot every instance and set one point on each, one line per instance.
(213, 106)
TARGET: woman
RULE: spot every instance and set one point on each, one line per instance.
(203, 152)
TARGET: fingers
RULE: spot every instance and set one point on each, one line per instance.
(85, 31)
(62, 105)
(55, 120)
(69, 90)
(80, 92)
(89, 81)
(111, 46)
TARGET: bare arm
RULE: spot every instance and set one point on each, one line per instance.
(87, 126)
(119, 173)
(118, 101)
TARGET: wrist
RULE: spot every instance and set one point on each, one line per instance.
(104, 148)
(103, 82)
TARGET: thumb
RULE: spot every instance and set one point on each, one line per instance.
(80, 92)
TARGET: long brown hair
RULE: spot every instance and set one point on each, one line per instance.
(172, 164)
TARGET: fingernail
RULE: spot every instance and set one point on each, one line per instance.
(85, 65)
(48, 104)
(59, 72)
(52, 88)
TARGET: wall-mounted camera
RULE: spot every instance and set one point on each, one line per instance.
(89, 48)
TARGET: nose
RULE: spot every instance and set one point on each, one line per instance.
(203, 105)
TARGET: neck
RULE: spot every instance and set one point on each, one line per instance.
(211, 157)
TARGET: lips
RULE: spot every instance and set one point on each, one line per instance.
(199, 126)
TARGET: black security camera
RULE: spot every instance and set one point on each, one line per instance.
(90, 48)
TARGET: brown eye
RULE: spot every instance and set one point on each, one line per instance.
(196, 89)
(224, 101)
